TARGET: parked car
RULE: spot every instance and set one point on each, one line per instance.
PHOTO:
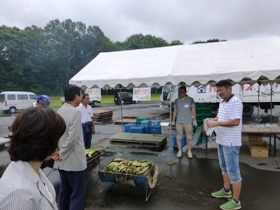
(11, 101)
(124, 97)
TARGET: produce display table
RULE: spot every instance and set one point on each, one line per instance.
(263, 130)
(258, 129)
(147, 179)
(92, 162)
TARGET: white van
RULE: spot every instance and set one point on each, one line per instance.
(11, 101)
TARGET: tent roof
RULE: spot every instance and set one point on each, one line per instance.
(242, 61)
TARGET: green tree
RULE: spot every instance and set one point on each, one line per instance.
(176, 42)
(209, 41)
(43, 60)
(140, 41)
(16, 67)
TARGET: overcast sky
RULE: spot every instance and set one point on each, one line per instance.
(184, 20)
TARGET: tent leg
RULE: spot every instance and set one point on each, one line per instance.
(170, 130)
(121, 109)
(258, 103)
(271, 103)
(170, 127)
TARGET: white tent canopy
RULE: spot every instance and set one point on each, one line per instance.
(245, 61)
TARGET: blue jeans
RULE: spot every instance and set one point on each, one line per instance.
(229, 162)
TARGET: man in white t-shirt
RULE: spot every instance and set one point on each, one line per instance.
(87, 120)
(228, 125)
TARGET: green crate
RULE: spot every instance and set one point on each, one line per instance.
(204, 111)
(140, 119)
(203, 105)
(199, 122)
(203, 116)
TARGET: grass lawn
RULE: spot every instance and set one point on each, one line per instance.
(109, 99)
(55, 102)
(106, 99)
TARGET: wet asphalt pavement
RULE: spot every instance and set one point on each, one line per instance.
(186, 185)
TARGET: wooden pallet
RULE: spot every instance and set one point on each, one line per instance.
(103, 115)
(139, 140)
(134, 116)
(124, 121)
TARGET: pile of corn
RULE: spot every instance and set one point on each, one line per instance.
(131, 167)
(89, 152)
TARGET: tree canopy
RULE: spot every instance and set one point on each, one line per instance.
(43, 60)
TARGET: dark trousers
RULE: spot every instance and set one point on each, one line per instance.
(87, 132)
(72, 192)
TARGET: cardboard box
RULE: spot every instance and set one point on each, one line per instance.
(258, 149)
(254, 137)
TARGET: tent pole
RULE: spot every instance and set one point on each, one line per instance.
(170, 126)
(170, 130)
(121, 109)
(270, 103)
(258, 103)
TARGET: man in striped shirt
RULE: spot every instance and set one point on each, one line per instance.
(228, 125)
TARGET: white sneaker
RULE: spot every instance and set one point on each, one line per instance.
(179, 154)
(190, 154)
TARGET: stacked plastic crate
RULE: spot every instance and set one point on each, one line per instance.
(155, 127)
(146, 124)
(136, 129)
(203, 111)
(140, 119)
(127, 126)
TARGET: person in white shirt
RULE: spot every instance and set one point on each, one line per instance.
(87, 120)
(228, 125)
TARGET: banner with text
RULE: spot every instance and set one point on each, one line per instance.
(94, 93)
(141, 94)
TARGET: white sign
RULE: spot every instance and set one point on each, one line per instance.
(94, 94)
(141, 94)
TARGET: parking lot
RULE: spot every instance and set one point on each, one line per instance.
(185, 185)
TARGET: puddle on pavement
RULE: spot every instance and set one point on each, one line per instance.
(112, 154)
(262, 164)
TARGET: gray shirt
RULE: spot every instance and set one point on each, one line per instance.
(184, 109)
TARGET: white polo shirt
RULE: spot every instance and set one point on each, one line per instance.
(230, 110)
(86, 113)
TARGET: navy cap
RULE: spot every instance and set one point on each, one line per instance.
(44, 99)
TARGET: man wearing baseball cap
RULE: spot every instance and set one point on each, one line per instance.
(43, 101)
